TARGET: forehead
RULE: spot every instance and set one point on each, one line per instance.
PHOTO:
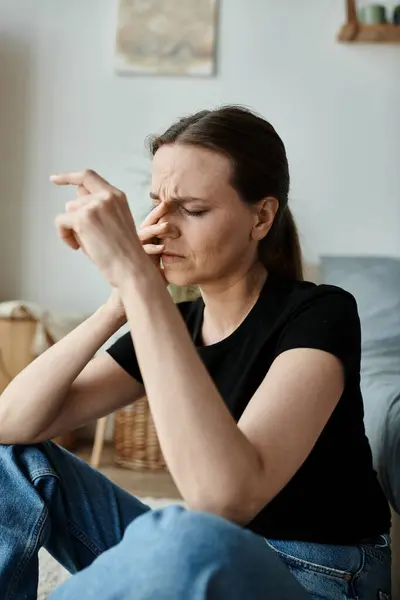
(189, 170)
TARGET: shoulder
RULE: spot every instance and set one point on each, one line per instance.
(323, 317)
(304, 297)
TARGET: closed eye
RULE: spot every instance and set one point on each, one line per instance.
(191, 213)
(194, 213)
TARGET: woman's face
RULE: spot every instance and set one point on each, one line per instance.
(211, 228)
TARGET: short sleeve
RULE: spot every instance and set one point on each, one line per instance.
(123, 352)
(327, 321)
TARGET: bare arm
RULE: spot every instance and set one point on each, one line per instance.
(223, 465)
(276, 433)
(64, 388)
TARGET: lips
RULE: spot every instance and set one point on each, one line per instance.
(171, 259)
(172, 254)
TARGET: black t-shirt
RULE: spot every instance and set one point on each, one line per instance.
(335, 496)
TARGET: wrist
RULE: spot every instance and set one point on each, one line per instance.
(112, 314)
(141, 288)
(138, 277)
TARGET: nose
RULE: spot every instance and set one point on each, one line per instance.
(173, 231)
(166, 210)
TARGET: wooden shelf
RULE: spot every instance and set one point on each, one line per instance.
(369, 34)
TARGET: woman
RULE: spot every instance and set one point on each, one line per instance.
(254, 390)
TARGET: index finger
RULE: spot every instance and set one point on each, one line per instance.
(154, 215)
(89, 179)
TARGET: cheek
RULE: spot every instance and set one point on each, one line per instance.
(218, 238)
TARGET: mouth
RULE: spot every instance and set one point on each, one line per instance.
(172, 254)
(169, 257)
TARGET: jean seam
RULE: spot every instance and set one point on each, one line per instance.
(27, 554)
(300, 562)
(362, 565)
(387, 540)
(375, 553)
(73, 528)
(358, 572)
(84, 538)
(43, 473)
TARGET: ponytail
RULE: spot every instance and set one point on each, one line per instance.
(280, 250)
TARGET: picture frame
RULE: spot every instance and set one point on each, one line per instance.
(166, 37)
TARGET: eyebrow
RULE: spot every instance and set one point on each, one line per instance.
(181, 199)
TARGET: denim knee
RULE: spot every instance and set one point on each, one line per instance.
(179, 553)
(190, 532)
(168, 553)
(188, 540)
(203, 552)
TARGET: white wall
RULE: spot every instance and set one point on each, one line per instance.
(62, 107)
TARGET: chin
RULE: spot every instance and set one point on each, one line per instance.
(180, 278)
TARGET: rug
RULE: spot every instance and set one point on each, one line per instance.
(52, 574)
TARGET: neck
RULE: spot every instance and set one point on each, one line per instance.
(227, 303)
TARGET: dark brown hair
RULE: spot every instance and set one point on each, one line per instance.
(259, 169)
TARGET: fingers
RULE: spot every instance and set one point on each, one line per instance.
(88, 179)
(73, 205)
(64, 225)
(148, 233)
(155, 215)
(81, 190)
(84, 200)
(153, 248)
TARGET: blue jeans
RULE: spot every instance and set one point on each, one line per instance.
(118, 548)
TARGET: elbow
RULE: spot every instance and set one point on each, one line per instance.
(238, 499)
(12, 434)
(239, 506)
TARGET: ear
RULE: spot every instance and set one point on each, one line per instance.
(265, 212)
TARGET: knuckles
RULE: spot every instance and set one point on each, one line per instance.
(70, 205)
(88, 173)
(113, 197)
(86, 216)
(103, 203)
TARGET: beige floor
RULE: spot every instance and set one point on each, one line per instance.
(143, 484)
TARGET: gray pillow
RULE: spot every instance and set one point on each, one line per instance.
(375, 284)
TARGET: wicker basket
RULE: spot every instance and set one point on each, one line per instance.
(16, 343)
(136, 442)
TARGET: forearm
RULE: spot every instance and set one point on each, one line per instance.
(209, 457)
(36, 395)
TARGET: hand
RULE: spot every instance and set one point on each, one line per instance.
(150, 230)
(101, 223)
